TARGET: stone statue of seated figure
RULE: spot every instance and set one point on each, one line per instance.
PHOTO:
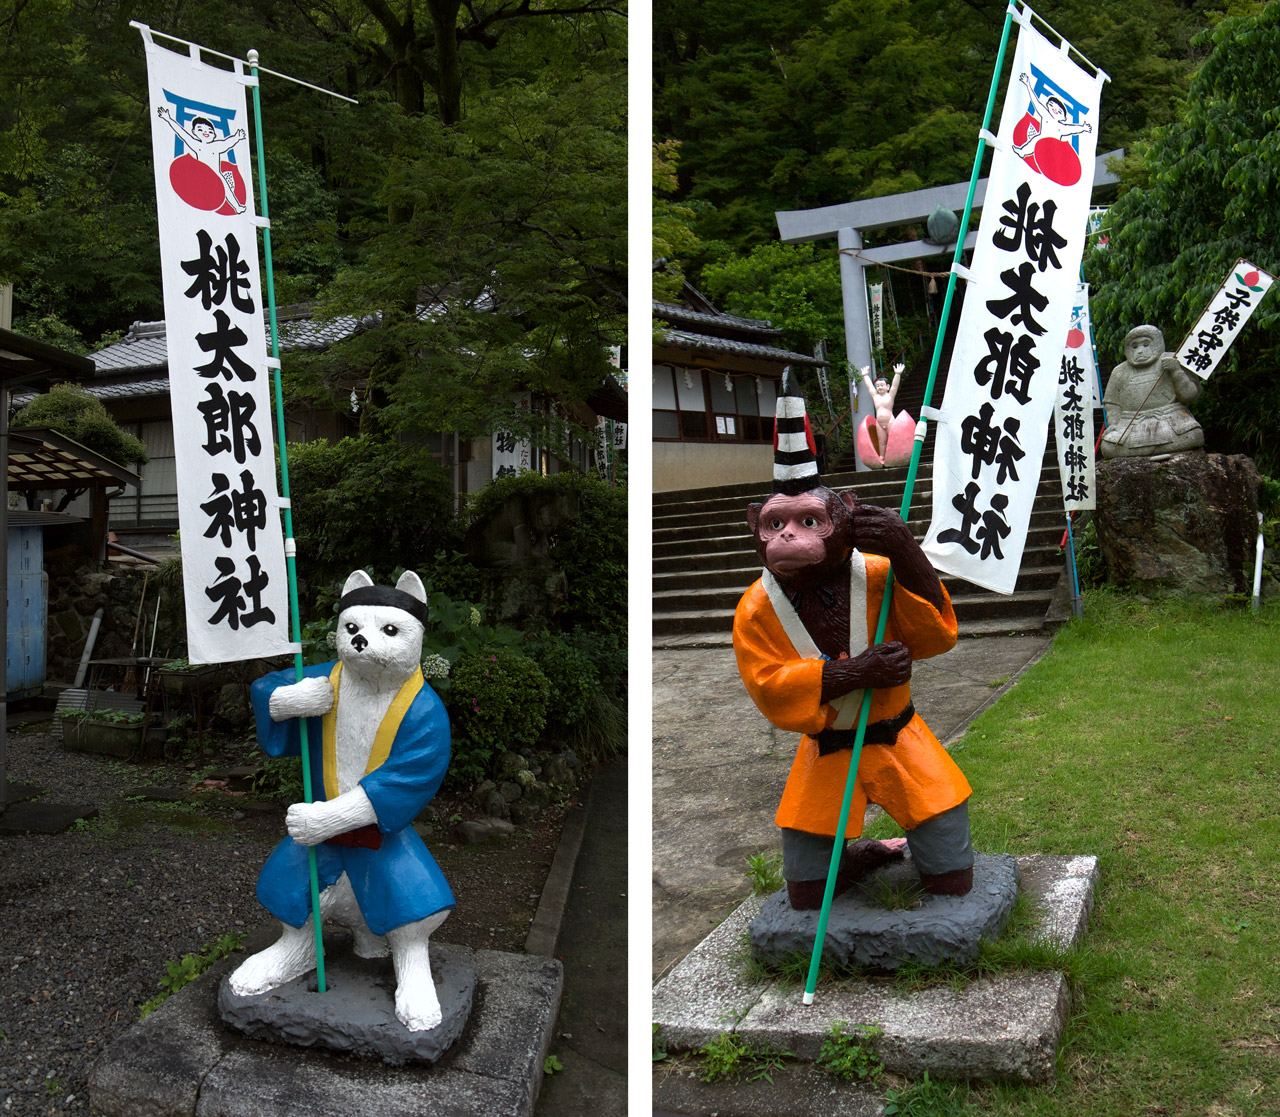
(1146, 401)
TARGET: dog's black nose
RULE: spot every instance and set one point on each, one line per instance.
(359, 643)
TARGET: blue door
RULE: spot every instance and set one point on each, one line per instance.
(24, 645)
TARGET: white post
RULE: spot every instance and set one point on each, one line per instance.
(857, 325)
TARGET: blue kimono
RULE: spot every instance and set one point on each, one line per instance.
(399, 882)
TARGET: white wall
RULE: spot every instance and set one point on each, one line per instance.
(702, 465)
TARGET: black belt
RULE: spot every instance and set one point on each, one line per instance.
(878, 733)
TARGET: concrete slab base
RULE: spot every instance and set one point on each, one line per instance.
(862, 932)
(182, 1060)
(1002, 1028)
(357, 1013)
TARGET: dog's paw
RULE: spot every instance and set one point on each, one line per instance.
(305, 699)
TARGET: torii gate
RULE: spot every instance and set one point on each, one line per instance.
(849, 220)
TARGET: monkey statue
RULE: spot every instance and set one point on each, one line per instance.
(802, 636)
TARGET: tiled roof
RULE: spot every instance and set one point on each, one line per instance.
(144, 347)
(687, 340)
(670, 312)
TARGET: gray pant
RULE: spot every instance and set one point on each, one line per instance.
(938, 845)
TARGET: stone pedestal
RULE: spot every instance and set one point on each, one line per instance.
(862, 932)
(357, 1013)
(1187, 522)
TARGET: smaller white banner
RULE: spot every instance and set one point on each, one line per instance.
(877, 315)
(1223, 318)
(1073, 410)
(511, 454)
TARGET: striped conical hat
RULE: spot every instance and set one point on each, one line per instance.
(795, 454)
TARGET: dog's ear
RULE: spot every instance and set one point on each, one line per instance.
(357, 579)
(411, 584)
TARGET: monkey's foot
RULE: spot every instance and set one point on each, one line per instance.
(958, 882)
(860, 860)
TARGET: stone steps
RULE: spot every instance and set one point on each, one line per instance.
(704, 558)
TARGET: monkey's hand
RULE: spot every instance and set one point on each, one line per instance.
(881, 531)
(883, 665)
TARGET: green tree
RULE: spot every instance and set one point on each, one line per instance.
(364, 503)
(499, 194)
(1202, 196)
(70, 410)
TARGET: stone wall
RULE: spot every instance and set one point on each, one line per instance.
(77, 590)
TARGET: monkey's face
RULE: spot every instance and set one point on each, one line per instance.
(794, 533)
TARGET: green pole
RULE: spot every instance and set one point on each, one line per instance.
(837, 850)
(290, 549)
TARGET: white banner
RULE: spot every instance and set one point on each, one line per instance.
(1002, 379)
(512, 455)
(1223, 318)
(233, 565)
(877, 315)
(1073, 409)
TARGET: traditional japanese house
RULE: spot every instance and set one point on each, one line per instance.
(715, 380)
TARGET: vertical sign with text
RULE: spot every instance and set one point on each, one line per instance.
(1073, 410)
(1008, 351)
(233, 563)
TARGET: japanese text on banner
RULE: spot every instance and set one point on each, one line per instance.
(1224, 318)
(233, 563)
(1073, 410)
(1002, 379)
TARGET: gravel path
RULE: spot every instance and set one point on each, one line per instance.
(89, 918)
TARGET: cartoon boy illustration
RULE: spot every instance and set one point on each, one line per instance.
(1046, 147)
(204, 144)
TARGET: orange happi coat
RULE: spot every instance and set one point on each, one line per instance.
(914, 779)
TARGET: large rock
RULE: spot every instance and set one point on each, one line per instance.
(1188, 523)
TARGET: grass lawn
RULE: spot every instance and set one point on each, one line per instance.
(1150, 736)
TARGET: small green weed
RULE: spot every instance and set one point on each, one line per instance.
(730, 1056)
(893, 895)
(659, 1047)
(53, 1086)
(764, 870)
(181, 973)
(927, 1098)
(551, 1064)
(849, 1055)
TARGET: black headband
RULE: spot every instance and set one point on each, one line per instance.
(385, 595)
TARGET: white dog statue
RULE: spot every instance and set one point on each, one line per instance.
(378, 737)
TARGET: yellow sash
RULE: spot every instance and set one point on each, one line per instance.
(381, 742)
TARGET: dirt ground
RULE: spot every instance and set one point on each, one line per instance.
(91, 917)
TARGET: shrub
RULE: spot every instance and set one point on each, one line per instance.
(364, 502)
(572, 677)
(498, 697)
(591, 549)
(72, 411)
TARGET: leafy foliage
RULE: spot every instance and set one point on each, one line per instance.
(1201, 197)
(180, 974)
(807, 103)
(363, 503)
(591, 549)
(483, 165)
(498, 700)
(849, 1054)
(72, 411)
